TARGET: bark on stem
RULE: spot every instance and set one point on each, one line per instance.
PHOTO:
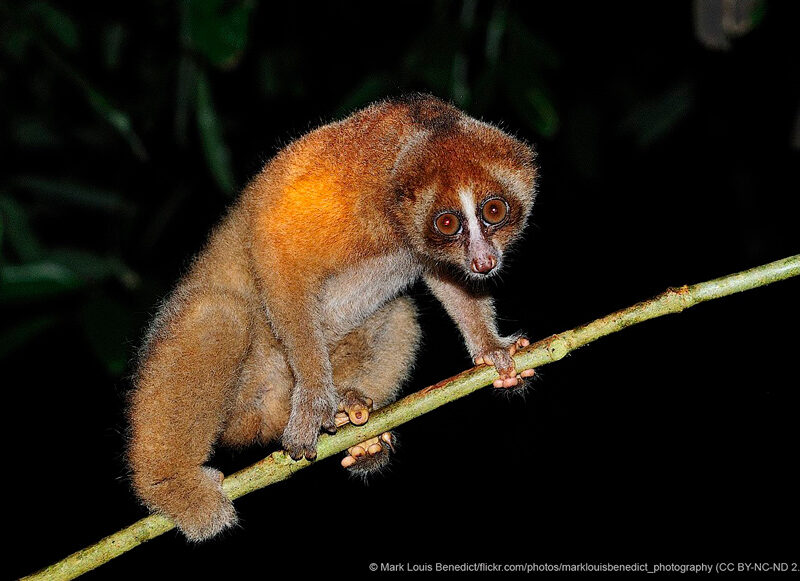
(278, 466)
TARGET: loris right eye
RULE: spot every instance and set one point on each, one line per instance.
(448, 224)
(494, 211)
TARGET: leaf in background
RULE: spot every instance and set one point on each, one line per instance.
(93, 268)
(113, 38)
(101, 105)
(218, 29)
(15, 41)
(57, 22)
(543, 113)
(653, 119)
(17, 230)
(532, 103)
(217, 154)
(526, 58)
(36, 281)
(72, 193)
(495, 30)
(116, 118)
(108, 327)
(21, 333)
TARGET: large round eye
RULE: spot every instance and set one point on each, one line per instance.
(494, 211)
(448, 224)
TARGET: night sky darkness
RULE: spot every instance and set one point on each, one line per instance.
(675, 440)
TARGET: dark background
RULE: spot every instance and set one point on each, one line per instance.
(668, 145)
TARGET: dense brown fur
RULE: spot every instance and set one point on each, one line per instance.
(294, 300)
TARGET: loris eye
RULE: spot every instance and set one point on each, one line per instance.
(494, 211)
(448, 224)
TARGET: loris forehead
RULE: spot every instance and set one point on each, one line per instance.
(470, 156)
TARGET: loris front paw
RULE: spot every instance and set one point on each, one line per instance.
(353, 408)
(308, 415)
(503, 360)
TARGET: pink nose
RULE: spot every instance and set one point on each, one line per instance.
(484, 264)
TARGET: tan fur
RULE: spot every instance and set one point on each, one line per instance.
(294, 300)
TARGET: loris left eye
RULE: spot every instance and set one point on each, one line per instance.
(494, 211)
(448, 224)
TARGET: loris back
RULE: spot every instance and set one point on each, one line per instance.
(290, 320)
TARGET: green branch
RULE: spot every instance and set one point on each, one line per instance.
(278, 466)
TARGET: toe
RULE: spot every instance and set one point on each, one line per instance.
(356, 451)
(358, 415)
(386, 437)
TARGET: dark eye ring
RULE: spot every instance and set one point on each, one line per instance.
(447, 223)
(494, 211)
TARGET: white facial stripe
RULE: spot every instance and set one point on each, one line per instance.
(471, 215)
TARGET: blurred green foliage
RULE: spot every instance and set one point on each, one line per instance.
(128, 130)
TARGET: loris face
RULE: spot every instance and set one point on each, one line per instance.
(472, 227)
(469, 193)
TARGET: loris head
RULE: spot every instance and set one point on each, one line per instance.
(467, 186)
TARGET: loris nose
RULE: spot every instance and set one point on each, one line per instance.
(484, 264)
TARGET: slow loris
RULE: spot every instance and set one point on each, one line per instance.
(291, 319)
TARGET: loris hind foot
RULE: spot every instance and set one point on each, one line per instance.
(372, 454)
(369, 456)
(502, 360)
